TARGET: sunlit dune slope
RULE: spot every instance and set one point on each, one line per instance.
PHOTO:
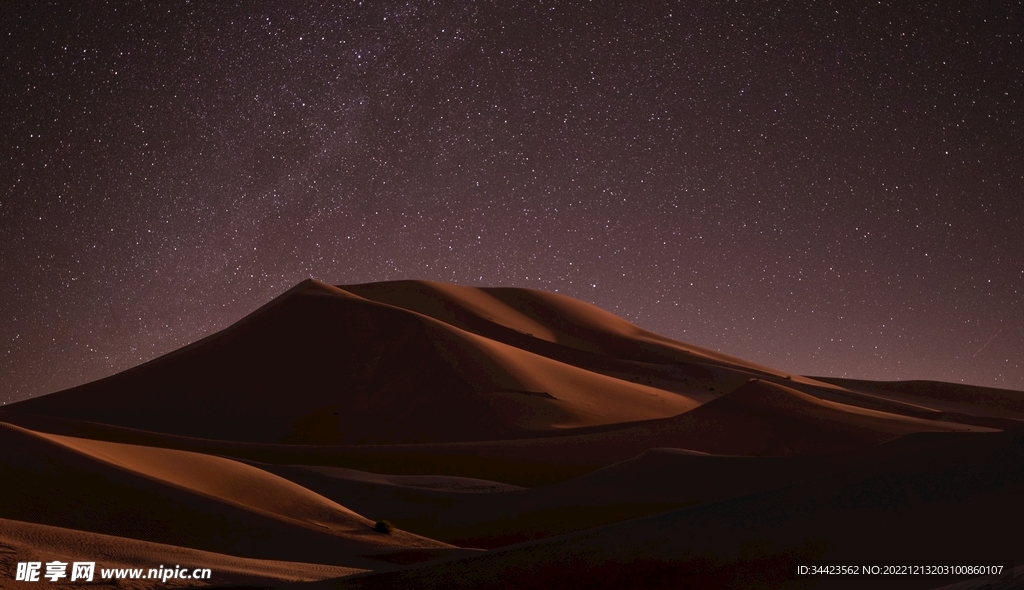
(322, 365)
(534, 392)
(23, 541)
(552, 317)
(180, 498)
(934, 504)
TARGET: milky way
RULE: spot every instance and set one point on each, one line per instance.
(826, 190)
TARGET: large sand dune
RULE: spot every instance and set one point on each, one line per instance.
(355, 371)
(578, 449)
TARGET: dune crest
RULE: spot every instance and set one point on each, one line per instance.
(217, 477)
(543, 315)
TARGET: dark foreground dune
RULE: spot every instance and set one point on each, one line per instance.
(951, 503)
(514, 439)
(23, 541)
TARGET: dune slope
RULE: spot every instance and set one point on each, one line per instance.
(541, 315)
(355, 371)
(490, 514)
(180, 498)
(885, 509)
(23, 541)
(757, 419)
(790, 430)
(580, 448)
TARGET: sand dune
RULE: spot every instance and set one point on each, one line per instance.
(355, 371)
(542, 315)
(495, 514)
(933, 504)
(441, 369)
(482, 417)
(656, 481)
(537, 393)
(22, 541)
(951, 397)
(350, 370)
(758, 419)
(418, 482)
(180, 498)
(764, 418)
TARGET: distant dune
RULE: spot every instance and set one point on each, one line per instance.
(512, 438)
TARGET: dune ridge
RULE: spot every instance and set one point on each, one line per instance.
(540, 314)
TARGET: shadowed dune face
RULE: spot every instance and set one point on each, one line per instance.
(476, 513)
(938, 503)
(315, 365)
(758, 419)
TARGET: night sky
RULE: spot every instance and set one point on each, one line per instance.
(823, 189)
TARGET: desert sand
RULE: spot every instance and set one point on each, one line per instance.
(514, 438)
(23, 541)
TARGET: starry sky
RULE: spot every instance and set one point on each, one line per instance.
(824, 188)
